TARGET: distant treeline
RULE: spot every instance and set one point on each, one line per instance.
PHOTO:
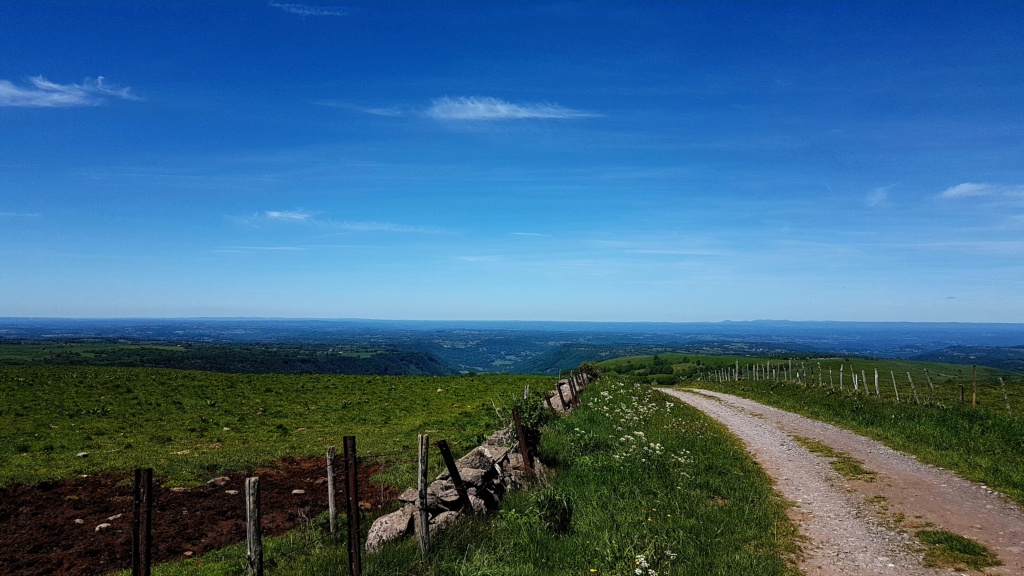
(244, 359)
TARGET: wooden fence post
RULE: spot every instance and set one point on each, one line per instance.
(841, 366)
(831, 383)
(864, 382)
(561, 396)
(355, 560)
(912, 387)
(453, 471)
(974, 394)
(332, 509)
(142, 523)
(878, 393)
(894, 386)
(253, 534)
(422, 520)
(1005, 399)
(932, 388)
(522, 444)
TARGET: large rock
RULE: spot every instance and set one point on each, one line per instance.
(390, 527)
(443, 520)
(477, 458)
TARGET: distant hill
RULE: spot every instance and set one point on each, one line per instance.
(1006, 358)
(433, 347)
(232, 358)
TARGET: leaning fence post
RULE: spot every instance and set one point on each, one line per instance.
(912, 387)
(522, 444)
(422, 520)
(253, 535)
(355, 562)
(332, 510)
(142, 523)
(1005, 399)
(453, 471)
(932, 388)
(894, 386)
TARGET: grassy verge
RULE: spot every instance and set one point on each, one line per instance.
(982, 444)
(189, 425)
(653, 486)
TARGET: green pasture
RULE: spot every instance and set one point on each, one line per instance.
(639, 484)
(189, 425)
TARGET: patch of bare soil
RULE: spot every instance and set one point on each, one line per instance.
(846, 534)
(51, 528)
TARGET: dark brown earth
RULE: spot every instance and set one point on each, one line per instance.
(39, 535)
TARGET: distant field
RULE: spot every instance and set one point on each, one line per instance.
(188, 425)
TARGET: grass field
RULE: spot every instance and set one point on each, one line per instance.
(642, 485)
(189, 425)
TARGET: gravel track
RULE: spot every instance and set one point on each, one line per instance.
(846, 535)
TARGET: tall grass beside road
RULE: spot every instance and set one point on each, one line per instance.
(649, 486)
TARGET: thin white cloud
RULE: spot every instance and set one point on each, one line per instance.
(968, 189)
(486, 108)
(878, 197)
(383, 227)
(388, 111)
(41, 93)
(288, 215)
(20, 214)
(312, 10)
(534, 234)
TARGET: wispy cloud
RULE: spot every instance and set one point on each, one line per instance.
(19, 214)
(41, 93)
(878, 197)
(312, 10)
(388, 111)
(328, 226)
(288, 215)
(383, 227)
(486, 108)
(532, 234)
(973, 189)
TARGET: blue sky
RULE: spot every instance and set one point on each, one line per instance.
(661, 161)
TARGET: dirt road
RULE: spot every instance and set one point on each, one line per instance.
(856, 526)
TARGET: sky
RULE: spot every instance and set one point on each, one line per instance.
(596, 161)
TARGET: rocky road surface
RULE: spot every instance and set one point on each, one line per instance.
(855, 526)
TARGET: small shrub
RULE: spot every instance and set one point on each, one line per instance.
(554, 509)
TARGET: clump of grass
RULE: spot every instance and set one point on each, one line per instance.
(949, 550)
(847, 466)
